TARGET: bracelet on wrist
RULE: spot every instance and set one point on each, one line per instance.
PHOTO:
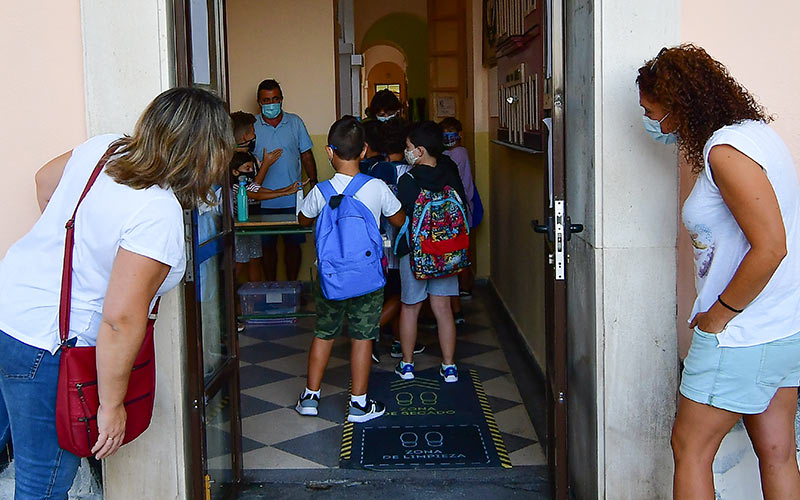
(726, 306)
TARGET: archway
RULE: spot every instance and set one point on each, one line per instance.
(409, 34)
(383, 65)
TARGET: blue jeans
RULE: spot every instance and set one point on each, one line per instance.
(28, 384)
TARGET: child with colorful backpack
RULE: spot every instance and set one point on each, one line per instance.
(432, 244)
(347, 209)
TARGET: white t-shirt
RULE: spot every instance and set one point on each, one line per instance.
(720, 245)
(375, 194)
(148, 222)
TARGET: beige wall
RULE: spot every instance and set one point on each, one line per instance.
(299, 52)
(477, 129)
(760, 45)
(517, 253)
(43, 109)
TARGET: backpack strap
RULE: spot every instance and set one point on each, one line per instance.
(327, 190)
(356, 183)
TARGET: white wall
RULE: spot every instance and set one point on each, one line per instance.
(636, 216)
(128, 61)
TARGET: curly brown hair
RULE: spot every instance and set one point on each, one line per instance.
(700, 93)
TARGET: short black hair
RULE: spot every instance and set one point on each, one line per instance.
(428, 135)
(239, 158)
(394, 136)
(384, 100)
(241, 121)
(269, 84)
(373, 135)
(346, 138)
(450, 122)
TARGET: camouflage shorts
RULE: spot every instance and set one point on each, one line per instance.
(363, 315)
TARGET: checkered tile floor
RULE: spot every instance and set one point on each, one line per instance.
(273, 367)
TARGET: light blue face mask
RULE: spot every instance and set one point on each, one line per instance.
(653, 127)
(271, 110)
(387, 118)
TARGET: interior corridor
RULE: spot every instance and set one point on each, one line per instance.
(280, 446)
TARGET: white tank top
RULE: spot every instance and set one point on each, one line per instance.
(720, 245)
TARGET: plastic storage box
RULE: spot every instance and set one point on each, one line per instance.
(269, 297)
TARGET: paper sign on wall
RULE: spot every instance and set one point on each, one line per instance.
(445, 106)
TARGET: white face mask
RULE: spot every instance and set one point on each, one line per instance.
(410, 158)
(653, 127)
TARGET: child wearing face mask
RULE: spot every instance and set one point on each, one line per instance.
(451, 133)
(385, 106)
(434, 172)
(247, 248)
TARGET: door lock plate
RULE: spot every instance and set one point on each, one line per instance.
(559, 250)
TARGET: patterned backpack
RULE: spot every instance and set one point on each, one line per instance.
(437, 234)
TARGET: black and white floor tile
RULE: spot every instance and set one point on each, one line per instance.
(273, 369)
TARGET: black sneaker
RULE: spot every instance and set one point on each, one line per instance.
(308, 405)
(465, 294)
(358, 413)
(458, 318)
(397, 350)
(376, 353)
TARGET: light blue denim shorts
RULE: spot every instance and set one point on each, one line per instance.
(739, 379)
(413, 291)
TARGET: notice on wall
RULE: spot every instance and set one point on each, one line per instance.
(445, 106)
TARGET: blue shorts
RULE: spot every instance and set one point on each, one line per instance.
(269, 240)
(413, 291)
(739, 379)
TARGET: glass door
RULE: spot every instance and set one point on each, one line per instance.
(212, 341)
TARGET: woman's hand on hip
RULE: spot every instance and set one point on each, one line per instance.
(111, 424)
(712, 321)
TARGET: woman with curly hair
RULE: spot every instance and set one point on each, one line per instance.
(743, 215)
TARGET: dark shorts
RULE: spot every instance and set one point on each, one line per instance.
(392, 283)
(363, 315)
(269, 240)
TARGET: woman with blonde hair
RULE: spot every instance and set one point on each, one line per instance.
(743, 215)
(128, 250)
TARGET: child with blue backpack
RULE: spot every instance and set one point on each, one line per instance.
(432, 244)
(347, 209)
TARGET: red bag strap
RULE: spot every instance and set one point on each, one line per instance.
(69, 242)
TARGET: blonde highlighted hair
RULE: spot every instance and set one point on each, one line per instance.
(183, 140)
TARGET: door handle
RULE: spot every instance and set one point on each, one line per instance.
(547, 229)
(572, 228)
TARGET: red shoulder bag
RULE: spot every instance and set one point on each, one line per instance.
(77, 401)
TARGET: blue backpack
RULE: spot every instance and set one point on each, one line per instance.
(349, 245)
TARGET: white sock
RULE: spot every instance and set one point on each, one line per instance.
(403, 363)
(309, 391)
(445, 367)
(361, 400)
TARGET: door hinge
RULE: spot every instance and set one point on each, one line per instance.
(187, 239)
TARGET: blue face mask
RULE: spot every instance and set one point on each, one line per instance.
(653, 127)
(271, 110)
(450, 139)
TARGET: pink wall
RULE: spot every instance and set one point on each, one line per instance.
(760, 45)
(43, 107)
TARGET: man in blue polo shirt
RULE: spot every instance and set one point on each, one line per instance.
(275, 129)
